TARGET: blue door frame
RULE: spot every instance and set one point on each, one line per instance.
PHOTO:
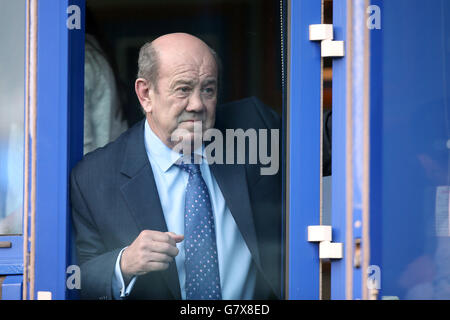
(59, 140)
(349, 210)
(339, 149)
(59, 144)
(350, 145)
(303, 158)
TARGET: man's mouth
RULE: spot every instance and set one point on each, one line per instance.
(192, 121)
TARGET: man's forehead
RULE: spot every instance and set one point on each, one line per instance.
(186, 64)
(179, 50)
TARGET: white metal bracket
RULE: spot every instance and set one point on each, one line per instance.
(324, 34)
(44, 295)
(327, 249)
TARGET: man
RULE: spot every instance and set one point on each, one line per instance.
(151, 223)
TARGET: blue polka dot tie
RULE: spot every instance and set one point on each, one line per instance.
(201, 264)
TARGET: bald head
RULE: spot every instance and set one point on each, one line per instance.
(179, 43)
(168, 48)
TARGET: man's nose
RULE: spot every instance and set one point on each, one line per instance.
(195, 102)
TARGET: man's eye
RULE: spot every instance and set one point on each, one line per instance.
(184, 89)
(209, 90)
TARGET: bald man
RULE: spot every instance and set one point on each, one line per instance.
(154, 222)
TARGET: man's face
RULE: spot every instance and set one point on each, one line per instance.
(185, 95)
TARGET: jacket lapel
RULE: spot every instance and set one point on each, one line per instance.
(233, 184)
(141, 194)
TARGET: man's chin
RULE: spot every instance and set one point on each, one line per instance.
(191, 126)
(187, 142)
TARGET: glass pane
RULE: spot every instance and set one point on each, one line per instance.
(414, 213)
(12, 88)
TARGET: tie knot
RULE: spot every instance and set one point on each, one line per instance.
(191, 168)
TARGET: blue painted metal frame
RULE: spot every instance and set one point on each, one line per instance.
(12, 287)
(348, 128)
(11, 260)
(304, 149)
(359, 93)
(283, 23)
(339, 155)
(60, 78)
(376, 148)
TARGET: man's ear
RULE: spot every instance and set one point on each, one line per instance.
(143, 90)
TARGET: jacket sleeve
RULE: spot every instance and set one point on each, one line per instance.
(96, 263)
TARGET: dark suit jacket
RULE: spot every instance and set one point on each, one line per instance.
(114, 198)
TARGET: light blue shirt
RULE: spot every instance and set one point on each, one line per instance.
(237, 271)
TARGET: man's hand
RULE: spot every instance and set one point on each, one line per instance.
(150, 251)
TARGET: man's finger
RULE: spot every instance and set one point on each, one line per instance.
(176, 237)
(159, 257)
(164, 247)
(163, 237)
(157, 266)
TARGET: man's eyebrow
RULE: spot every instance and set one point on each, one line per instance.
(189, 82)
(209, 82)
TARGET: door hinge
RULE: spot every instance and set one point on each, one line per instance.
(327, 249)
(328, 46)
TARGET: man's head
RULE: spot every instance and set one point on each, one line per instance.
(177, 85)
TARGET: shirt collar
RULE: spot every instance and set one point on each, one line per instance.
(162, 155)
